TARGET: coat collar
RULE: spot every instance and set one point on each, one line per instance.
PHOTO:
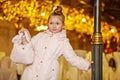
(59, 35)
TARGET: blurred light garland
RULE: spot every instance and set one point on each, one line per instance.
(37, 12)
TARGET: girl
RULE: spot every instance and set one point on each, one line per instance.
(47, 47)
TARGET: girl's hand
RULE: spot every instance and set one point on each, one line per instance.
(22, 31)
(22, 34)
(90, 64)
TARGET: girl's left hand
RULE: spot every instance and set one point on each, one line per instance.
(90, 64)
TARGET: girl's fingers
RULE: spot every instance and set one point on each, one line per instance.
(91, 62)
(22, 30)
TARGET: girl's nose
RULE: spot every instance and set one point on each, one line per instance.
(54, 25)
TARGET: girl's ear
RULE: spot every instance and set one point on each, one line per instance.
(63, 26)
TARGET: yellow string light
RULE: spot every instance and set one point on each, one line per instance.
(37, 14)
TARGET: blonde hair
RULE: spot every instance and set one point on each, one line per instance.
(58, 12)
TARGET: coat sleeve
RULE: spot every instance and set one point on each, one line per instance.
(72, 58)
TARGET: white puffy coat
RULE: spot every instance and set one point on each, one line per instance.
(48, 47)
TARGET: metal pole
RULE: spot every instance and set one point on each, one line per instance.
(97, 44)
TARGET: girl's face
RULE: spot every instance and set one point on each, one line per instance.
(55, 24)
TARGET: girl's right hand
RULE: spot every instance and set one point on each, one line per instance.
(22, 34)
(22, 31)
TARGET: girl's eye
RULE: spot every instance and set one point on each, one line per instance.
(50, 23)
(57, 23)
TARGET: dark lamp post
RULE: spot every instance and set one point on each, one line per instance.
(97, 44)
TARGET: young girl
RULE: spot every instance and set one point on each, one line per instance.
(47, 47)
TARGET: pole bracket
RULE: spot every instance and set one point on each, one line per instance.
(97, 38)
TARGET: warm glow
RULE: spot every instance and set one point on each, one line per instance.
(112, 30)
(35, 14)
(42, 27)
(83, 19)
(42, 14)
